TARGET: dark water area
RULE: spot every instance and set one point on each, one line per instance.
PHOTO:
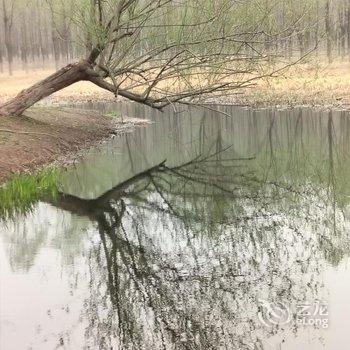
(199, 231)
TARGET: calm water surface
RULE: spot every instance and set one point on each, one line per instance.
(200, 231)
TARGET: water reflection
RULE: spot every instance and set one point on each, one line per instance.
(178, 254)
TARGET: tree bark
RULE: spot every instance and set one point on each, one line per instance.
(328, 31)
(8, 18)
(24, 46)
(1, 58)
(64, 77)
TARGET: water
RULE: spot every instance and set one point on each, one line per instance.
(200, 231)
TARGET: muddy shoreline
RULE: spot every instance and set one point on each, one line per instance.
(54, 136)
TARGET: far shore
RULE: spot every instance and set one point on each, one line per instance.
(313, 85)
(52, 134)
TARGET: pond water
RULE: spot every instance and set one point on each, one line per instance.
(199, 231)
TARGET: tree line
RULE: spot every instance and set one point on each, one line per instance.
(44, 33)
(36, 33)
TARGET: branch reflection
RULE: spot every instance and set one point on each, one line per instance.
(185, 253)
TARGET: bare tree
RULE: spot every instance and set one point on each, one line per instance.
(162, 52)
(7, 12)
(1, 56)
(62, 31)
(328, 31)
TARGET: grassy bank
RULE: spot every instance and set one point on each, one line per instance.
(22, 191)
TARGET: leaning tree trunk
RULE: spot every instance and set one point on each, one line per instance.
(64, 77)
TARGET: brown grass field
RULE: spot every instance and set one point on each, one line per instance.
(310, 84)
(323, 85)
(80, 92)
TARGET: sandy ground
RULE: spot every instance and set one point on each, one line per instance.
(320, 85)
(82, 91)
(310, 84)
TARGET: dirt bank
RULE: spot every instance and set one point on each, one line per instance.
(46, 135)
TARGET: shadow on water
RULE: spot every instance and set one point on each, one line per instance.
(206, 218)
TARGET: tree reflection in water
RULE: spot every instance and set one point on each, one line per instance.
(185, 254)
(179, 258)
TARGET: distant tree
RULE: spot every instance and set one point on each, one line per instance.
(328, 30)
(7, 13)
(1, 55)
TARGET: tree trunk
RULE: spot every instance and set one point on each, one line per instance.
(8, 41)
(328, 31)
(24, 46)
(348, 29)
(62, 78)
(343, 34)
(56, 48)
(1, 59)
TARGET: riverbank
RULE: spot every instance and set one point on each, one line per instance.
(48, 135)
(312, 84)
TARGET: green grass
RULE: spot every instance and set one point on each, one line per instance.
(113, 115)
(22, 191)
